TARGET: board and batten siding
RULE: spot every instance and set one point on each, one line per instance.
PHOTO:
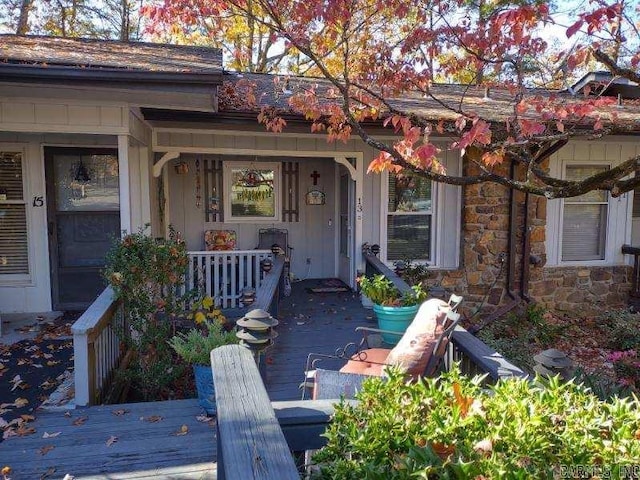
(612, 151)
(41, 115)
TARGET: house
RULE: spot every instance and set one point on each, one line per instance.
(99, 137)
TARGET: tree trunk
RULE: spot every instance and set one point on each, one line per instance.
(23, 19)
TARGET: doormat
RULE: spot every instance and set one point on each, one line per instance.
(332, 285)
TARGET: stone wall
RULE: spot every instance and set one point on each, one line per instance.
(482, 278)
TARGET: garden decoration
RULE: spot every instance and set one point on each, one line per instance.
(394, 310)
(552, 362)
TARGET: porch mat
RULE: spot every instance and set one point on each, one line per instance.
(331, 285)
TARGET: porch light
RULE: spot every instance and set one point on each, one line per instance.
(248, 296)
(553, 362)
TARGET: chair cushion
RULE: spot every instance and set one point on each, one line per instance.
(220, 240)
(367, 362)
(413, 351)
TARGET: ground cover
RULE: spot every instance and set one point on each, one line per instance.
(31, 369)
(603, 345)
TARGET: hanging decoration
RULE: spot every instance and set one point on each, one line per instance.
(315, 196)
(198, 185)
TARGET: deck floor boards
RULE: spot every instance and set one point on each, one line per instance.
(309, 322)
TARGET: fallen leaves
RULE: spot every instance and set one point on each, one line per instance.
(111, 440)
(50, 471)
(80, 421)
(46, 449)
(120, 412)
(51, 435)
(183, 430)
(16, 381)
(152, 419)
(205, 419)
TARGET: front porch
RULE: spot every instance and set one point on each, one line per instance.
(148, 447)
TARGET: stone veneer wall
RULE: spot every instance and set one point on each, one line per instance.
(482, 278)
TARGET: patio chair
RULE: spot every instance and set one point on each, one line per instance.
(419, 353)
(276, 240)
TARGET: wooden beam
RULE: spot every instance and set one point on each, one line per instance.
(251, 444)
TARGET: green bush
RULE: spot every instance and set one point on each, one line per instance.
(623, 329)
(451, 428)
(146, 274)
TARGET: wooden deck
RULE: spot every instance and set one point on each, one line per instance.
(146, 447)
(309, 322)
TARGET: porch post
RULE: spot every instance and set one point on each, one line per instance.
(359, 160)
(123, 174)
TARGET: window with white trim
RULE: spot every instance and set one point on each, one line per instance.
(584, 219)
(409, 217)
(252, 191)
(14, 250)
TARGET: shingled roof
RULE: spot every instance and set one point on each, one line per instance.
(106, 54)
(495, 104)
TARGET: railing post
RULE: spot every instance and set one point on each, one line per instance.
(81, 369)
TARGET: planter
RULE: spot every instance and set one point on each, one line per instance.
(204, 386)
(396, 319)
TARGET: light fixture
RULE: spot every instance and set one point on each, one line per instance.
(82, 175)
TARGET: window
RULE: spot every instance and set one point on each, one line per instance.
(253, 190)
(409, 217)
(14, 250)
(584, 219)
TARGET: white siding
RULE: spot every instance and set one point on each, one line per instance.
(35, 295)
(613, 151)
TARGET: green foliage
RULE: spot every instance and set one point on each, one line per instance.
(520, 335)
(451, 428)
(623, 329)
(146, 274)
(195, 345)
(382, 291)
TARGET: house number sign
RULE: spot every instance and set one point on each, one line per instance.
(38, 201)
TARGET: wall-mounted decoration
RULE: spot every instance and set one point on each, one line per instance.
(212, 172)
(315, 197)
(291, 187)
(182, 168)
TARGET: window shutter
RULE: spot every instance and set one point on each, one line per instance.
(583, 232)
(14, 250)
(636, 203)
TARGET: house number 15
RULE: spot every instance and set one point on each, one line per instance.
(38, 201)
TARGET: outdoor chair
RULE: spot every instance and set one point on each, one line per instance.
(274, 239)
(419, 353)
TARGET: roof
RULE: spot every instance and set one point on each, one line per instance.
(495, 104)
(107, 54)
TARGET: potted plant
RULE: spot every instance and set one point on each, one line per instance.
(194, 347)
(394, 310)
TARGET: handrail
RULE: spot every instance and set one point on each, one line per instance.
(474, 355)
(96, 347)
(251, 444)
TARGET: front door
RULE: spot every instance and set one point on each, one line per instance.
(83, 215)
(345, 233)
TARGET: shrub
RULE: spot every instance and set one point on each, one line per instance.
(623, 329)
(451, 428)
(146, 274)
(195, 345)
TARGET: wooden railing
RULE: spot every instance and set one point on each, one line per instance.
(96, 347)
(475, 357)
(224, 274)
(255, 437)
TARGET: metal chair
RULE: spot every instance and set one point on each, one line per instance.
(367, 358)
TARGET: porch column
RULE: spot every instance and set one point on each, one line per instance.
(359, 161)
(123, 175)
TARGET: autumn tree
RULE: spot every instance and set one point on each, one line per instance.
(243, 34)
(379, 60)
